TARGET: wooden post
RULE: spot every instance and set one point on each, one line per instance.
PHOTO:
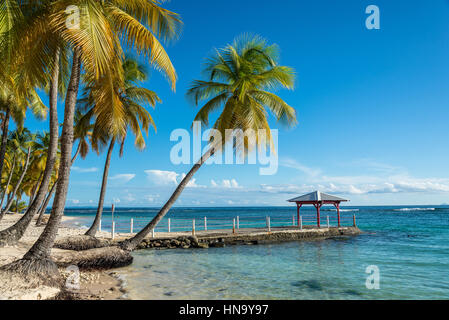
(355, 224)
(205, 223)
(318, 219)
(233, 225)
(152, 233)
(113, 230)
(328, 224)
(269, 224)
(300, 222)
(169, 225)
(99, 226)
(293, 220)
(193, 227)
(132, 225)
(338, 214)
(298, 207)
(238, 222)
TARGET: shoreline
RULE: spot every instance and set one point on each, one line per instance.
(94, 285)
(110, 284)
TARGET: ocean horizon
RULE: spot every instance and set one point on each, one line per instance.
(407, 244)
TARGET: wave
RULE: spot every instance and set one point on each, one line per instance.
(415, 209)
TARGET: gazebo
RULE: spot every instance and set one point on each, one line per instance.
(318, 199)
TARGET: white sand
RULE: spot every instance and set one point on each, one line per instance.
(94, 285)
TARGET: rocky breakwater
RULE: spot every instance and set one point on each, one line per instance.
(248, 238)
(181, 243)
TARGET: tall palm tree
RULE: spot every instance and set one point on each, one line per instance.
(10, 161)
(96, 45)
(23, 141)
(82, 133)
(240, 78)
(34, 53)
(137, 119)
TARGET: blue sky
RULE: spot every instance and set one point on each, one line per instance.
(372, 108)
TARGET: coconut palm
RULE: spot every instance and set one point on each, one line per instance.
(96, 46)
(82, 133)
(10, 162)
(32, 51)
(137, 119)
(23, 141)
(240, 79)
(18, 206)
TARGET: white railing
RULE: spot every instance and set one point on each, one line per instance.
(183, 225)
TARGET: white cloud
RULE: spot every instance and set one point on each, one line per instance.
(192, 183)
(122, 178)
(151, 197)
(160, 177)
(228, 184)
(84, 170)
(75, 201)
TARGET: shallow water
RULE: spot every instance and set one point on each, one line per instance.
(409, 245)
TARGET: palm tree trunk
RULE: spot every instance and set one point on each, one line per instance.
(33, 193)
(16, 231)
(94, 227)
(45, 204)
(53, 188)
(39, 254)
(132, 243)
(19, 182)
(7, 184)
(5, 128)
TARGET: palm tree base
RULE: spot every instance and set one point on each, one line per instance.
(34, 272)
(95, 259)
(80, 243)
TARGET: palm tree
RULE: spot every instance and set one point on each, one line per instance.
(18, 206)
(96, 45)
(34, 54)
(240, 78)
(82, 133)
(10, 161)
(23, 141)
(137, 118)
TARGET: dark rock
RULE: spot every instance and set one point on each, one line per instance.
(218, 245)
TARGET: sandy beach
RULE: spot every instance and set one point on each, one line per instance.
(96, 285)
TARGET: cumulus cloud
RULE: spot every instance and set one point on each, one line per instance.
(192, 183)
(160, 177)
(228, 184)
(401, 186)
(122, 178)
(84, 170)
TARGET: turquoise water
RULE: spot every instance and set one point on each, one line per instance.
(409, 246)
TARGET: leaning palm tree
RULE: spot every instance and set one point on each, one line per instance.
(96, 46)
(240, 80)
(137, 119)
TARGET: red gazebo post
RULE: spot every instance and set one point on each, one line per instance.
(298, 207)
(337, 205)
(318, 220)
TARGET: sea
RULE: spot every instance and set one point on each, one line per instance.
(403, 253)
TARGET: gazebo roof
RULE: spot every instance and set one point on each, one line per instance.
(317, 196)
